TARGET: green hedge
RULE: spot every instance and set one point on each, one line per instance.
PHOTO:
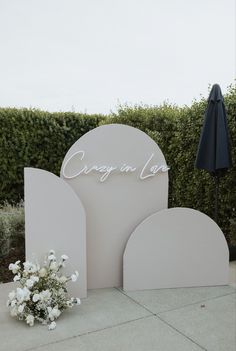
(32, 138)
(177, 132)
(12, 227)
(41, 139)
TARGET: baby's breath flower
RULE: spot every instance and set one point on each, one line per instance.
(20, 294)
(69, 303)
(74, 276)
(17, 277)
(29, 283)
(13, 303)
(34, 278)
(30, 320)
(30, 267)
(78, 301)
(14, 267)
(62, 279)
(52, 325)
(51, 257)
(53, 312)
(21, 308)
(54, 266)
(64, 257)
(26, 293)
(12, 295)
(43, 293)
(75, 301)
(42, 272)
(36, 297)
(25, 274)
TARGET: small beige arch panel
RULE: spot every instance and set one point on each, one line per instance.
(121, 177)
(173, 248)
(55, 219)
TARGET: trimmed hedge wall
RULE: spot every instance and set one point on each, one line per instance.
(32, 138)
(41, 139)
(12, 228)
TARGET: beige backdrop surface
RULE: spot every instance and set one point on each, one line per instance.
(55, 219)
(115, 206)
(178, 247)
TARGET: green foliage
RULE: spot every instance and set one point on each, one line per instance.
(32, 138)
(12, 227)
(232, 231)
(177, 132)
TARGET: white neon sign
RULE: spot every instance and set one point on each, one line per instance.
(145, 172)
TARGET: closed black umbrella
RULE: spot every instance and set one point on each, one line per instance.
(214, 153)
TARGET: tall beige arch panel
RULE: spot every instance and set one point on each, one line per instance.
(178, 247)
(115, 200)
(55, 219)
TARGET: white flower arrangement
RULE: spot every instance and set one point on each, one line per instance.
(43, 293)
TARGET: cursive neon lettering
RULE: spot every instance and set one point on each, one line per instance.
(147, 171)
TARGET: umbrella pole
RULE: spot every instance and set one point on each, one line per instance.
(216, 179)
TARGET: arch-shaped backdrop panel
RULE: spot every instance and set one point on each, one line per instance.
(120, 174)
(55, 219)
(178, 247)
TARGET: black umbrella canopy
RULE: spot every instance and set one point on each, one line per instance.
(214, 153)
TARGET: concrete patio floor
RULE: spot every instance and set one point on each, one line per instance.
(186, 319)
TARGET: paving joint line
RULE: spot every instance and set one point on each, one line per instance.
(157, 315)
(129, 321)
(163, 321)
(136, 302)
(181, 333)
(195, 303)
(176, 308)
(86, 333)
